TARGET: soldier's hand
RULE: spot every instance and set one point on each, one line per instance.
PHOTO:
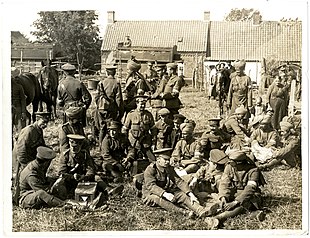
(168, 196)
(193, 198)
(231, 205)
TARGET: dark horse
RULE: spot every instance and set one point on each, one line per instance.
(222, 84)
(48, 83)
(31, 88)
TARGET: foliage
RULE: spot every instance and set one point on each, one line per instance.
(243, 14)
(74, 31)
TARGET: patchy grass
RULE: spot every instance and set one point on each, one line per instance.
(282, 195)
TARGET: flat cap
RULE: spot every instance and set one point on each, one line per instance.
(68, 67)
(75, 137)
(179, 117)
(187, 128)
(237, 155)
(44, 152)
(74, 112)
(44, 115)
(286, 125)
(214, 121)
(110, 67)
(163, 112)
(141, 98)
(164, 153)
(241, 110)
(14, 72)
(114, 125)
(160, 66)
(218, 156)
(172, 65)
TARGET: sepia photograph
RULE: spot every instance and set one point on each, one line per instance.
(155, 118)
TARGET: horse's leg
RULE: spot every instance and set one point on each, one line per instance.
(35, 105)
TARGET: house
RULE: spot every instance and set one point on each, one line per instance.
(200, 44)
(27, 56)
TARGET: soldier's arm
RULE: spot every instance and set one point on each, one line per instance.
(251, 186)
(22, 143)
(105, 149)
(90, 168)
(62, 165)
(249, 92)
(177, 153)
(225, 186)
(290, 148)
(272, 140)
(236, 128)
(150, 182)
(60, 99)
(36, 183)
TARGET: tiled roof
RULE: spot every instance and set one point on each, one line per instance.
(236, 40)
(31, 51)
(192, 34)
(18, 38)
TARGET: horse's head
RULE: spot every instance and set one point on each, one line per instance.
(48, 78)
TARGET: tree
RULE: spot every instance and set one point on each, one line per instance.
(242, 14)
(75, 32)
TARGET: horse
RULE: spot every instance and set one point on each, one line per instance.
(222, 84)
(48, 81)
(31, 88)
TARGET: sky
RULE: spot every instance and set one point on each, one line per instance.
(19, 15)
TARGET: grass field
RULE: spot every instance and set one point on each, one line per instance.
(282, 195)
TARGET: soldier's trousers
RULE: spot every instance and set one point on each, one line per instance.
(180, 198)
(39, 199)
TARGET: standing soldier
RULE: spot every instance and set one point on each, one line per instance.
(72, 92)
(156, 100)
(109, 101)
(172, 90)
(138, 125)
(18, 98)
(151, 76)
(162, 130)
(240, 92)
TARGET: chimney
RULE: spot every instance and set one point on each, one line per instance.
(206, 16)
(256, 18)
(111, 17)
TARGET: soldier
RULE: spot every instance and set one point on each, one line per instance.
(176, 133)
(18, 98)
(76, 165)
(264, 140)
(156, 100)
(289, 149)
(214, 138)
(109, 101)
(73, 126)
(35, 189)
(207, 179)
(163, 187)
(235, 127)
(239, 188)
(162, 130)
(183, 155)
(29, 139)
(113, 149)
(151, 76)
(72, 92)
(138, 125)
(172, 90)
(240, 92)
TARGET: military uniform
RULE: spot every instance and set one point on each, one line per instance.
(139, 124)
(66, 129)
(239, 92)
(159, 180)
(34, 185)
(234, 127)
(29, 139)
(162, 130)
(240, 181)
(176, 133)
(157, 101)
(267, 138)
